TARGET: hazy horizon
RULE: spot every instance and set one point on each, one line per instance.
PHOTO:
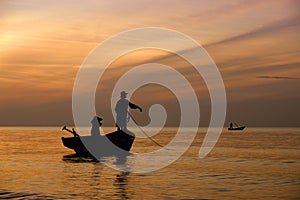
(167, 127)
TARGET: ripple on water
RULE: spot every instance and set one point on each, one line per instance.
(23, 195)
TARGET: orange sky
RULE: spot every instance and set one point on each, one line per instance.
(255, 45)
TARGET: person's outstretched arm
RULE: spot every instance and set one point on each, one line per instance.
(133, 106)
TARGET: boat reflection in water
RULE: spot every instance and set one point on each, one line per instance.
(99, 174)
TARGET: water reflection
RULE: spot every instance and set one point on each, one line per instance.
(36, 169)
(94, 182)
(78, 159)
(121, 183)
(100, 177)
(97, 168)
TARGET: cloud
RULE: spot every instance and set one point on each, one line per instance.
(278, 77)
(264, 30)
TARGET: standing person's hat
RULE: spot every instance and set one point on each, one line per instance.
(123, 93)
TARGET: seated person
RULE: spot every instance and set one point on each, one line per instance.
(96, 123)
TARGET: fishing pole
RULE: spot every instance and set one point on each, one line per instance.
(145, 132)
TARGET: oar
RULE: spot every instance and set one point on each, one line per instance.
(71, 131)
(236, 124)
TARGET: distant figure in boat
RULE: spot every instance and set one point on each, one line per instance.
(122, 111)
(96, 123)
(240, 128)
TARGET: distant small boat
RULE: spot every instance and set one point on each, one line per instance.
(237, 128)
(109, 144)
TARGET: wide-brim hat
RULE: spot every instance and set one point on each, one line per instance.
(123, 93)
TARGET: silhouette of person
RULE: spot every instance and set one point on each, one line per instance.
(96, 123)
(231, 125)
(122, 111)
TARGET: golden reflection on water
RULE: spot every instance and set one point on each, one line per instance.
(256, 163)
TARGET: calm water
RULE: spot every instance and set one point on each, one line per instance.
(258, 163)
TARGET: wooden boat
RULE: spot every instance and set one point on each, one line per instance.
(237, 128)
(115, 143)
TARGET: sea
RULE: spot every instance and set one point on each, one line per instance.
(256, 163)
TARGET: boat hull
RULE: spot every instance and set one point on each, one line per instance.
(114, 143)
(237, 128)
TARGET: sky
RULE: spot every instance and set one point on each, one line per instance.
(255, 45)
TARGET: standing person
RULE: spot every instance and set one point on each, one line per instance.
(122, 111)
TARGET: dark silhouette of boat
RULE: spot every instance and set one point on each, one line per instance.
(237, 128)
(114, 143)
